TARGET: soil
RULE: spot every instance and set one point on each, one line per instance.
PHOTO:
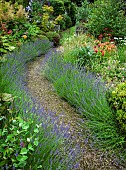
(43, 91)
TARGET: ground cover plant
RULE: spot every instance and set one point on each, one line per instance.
(32, 139)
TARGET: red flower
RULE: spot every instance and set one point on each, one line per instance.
(95, 49)
(109, 35)
(9, 32)
(100, 36)
(112, 40)
(105, 28)
(99, 45)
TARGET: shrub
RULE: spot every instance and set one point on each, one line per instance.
(71, 10)
(36, 11)
(82, 13)
(118, 103)
(58, 6)
(68, 21)
(11, 12)
(53, 37)
(107, 14)
(78, 2)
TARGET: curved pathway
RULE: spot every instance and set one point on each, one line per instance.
(44, 92)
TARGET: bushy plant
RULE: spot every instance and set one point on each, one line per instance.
(53, 37)
(58, 6)
(118, 103)
(68, 21)
(11, 12)
(88, 95)
(36, 11)
(78, 2)
(71, 10)
(16, 142)
(107, 14)
(82, 12)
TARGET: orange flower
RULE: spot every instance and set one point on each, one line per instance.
(109, 48)
(103, 53)
(24, 36)
(99, 45)
(106, 43)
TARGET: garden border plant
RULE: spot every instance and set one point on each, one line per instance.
(48, 136)
(89, 95)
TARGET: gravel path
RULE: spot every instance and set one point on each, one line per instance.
(44, 92)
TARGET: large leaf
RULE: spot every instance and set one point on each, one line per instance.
(6, 97)
(23, 151)
(21, 158)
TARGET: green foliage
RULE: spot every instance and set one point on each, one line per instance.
(20, 2)
(88, 95)
(15, 35)
(36, 11)
(16, 142)
(84, 55)
(68, 21)
(58, 6)
(118, 103)
(78, 2)
(54, 37)
(107, 14)
(71, 10)
(82, 12)
(12, 12)
(67, 9)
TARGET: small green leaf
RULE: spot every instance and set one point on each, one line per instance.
(23, 151)
(25, 126)
(36, 130)
(9, 137)
(36, 142)
(21, 158)
(11, 48)
(30, 147)
(40, 166)
(2, 117)
(2, 163)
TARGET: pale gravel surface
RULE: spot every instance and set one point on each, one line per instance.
(44, 92)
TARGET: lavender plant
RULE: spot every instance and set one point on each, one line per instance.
(88, 94)
(40, 144)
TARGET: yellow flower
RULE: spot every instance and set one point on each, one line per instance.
(24, 36)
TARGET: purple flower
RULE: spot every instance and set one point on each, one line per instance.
(22, 144)
(16, 154)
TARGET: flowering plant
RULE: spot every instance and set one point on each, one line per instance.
(16, 141)
(104, 48)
